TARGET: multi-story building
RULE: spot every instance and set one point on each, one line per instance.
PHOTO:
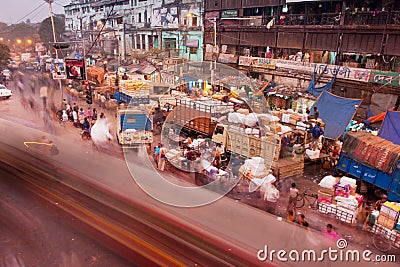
(126, 25)
(267, 37)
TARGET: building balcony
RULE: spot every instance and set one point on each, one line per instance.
(371, 18)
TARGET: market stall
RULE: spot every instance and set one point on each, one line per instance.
(337, 197)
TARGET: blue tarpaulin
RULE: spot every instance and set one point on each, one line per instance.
(316, 91)
(336, 112)
(390, 129)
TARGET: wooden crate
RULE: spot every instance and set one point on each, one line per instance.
(288, 167)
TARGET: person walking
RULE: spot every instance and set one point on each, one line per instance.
(189, 158)
(316, 132)
(162, 158)
(81, 117)
(75, 118)
(271, 197)
(236, 163)
(103, 101)
(94, 116)
(293, 193)
(89, 113)
(156, 153)
(86, 125)
(316, 113)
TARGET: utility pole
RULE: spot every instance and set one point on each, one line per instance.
(52, 23)
(55, 40)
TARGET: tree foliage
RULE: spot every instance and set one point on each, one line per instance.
(46, 30)
(4, 54)
(21, 31)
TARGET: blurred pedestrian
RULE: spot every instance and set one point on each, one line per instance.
(156, 153)
(290, 216)
(103, 101)
(293, 193)
(94, 116)
(236, 163)
(302, 220)
(271, 197)
(81, 117)
(162, 158)
(89, 113)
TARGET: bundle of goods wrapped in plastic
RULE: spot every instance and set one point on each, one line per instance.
(134, 85)
(256, 166)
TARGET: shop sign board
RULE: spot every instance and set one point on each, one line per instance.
(341, 72)
(227, 58)
(293, 65)
(231, 13)
(258, 62)
(385, 78)
(75, 69)
(58, 69)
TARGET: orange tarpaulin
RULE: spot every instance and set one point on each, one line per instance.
(379, 117)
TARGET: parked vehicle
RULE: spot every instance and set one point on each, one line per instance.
(7, 73)
(5, 92)
(134, 127)
(206, 118)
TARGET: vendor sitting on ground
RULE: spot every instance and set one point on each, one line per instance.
(379, 203)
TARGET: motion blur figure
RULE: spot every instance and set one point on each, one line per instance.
(100, 133)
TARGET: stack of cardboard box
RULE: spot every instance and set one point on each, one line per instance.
(389, 215)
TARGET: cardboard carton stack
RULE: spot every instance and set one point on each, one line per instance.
(339, 197)
(389, 215)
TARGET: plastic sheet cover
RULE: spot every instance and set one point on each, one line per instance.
(390, 129)
(336, 112)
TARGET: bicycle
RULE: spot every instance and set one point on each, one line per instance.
(301, 200)
(382, 239)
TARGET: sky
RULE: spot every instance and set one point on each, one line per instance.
(15, 11)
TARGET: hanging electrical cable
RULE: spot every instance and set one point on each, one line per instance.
(102, 28)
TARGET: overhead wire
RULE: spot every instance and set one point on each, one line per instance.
(37, 9)
(41, 5)
(102, 28)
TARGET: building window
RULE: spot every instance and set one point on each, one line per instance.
(192, 50)
(138, 43)
(140, 17)
(194, 21)
(169, 43)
